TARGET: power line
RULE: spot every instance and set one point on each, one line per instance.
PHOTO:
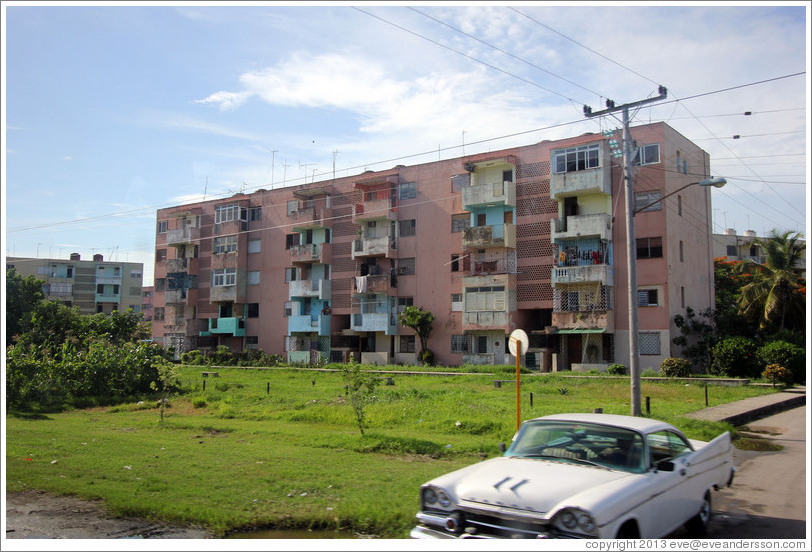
(489, 65)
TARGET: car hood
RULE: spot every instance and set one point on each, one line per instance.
(535, 485)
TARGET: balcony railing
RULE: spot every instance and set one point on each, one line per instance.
(318, 253)
(484, 320)
(581, 226)
(382, 246)
(307, 323)
(375, 322)
(589, 181)
(489, 193)
(319, 288)
(374, 209)
(484, 237)
(183, 235)
(601, 273)
(225, 326)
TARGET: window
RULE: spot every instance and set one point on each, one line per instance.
(254, 246)
(160, 284)
(160, 255)
(404, 302)
(407, 344)
(135, 274)
(459, 344)
(158, 313)
(293, 206)
(460, 181)
(578, 158)
(650, 200)
(682, 296)
(406, 266)
(254, 214)
(135, 290)
(461, 222)
(507, 176)
(227, 213)
(407, 228)
(649, 343)
(252, 310)
(251, 342)
(681, 251)
(163, 226)
(253, 278)
(225, 244)
(666, 445)
(647, 155)
(407, 190)
(224, 277)
(679, 205)
(291, 240)
(456, 302)
(732, 251)
(290, 274)
(649, 248)
(455, 262)
(288, 308)
(647, 298)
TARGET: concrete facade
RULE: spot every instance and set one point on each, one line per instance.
(91, 285)
(529, 237)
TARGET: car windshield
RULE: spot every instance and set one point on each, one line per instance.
(607, 446)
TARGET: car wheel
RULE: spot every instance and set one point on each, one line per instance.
(628, 531)
(698, 525)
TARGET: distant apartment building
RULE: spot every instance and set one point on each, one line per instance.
(92, 286)
(735, 247)
(530, 237)
(147, 292)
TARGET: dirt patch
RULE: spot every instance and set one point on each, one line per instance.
(39, 515)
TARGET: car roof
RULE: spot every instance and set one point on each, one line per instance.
(643, 425)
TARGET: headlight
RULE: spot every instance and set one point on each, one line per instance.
(573, 520)
(436, 498)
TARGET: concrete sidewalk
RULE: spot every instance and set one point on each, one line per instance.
(746, 410)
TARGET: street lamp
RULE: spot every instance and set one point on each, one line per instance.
(631, 264)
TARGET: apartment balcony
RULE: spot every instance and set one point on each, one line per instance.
(375, 322)
(382, 246)
(594, 319)
(311, 217)
(317, 253)
(375, 209)
(175, 296)
(112, 280)
(108, 297)
(378, 284)
(581, 226)
(590, 181)
(188, 235)
(484, 265)
(225, 326)
(219, 294)
(489, 194)
(598, 274)
(484, 237)
(307, 323)
(320, 289)
(485, 320)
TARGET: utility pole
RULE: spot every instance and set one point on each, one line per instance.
(631, 247)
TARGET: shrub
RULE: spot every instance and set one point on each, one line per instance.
(616, 370)
(676, 367)
(777, 373)
(735, 357)
(649, 373)
(193, 358)
(427, 357)
(785, 354)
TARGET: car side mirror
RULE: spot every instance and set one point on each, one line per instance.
(502, 448)
(665, 465)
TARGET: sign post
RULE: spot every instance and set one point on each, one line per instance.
(518, 344)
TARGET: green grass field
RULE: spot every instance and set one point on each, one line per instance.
(281, 448)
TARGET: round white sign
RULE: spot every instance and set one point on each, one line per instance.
(518, 336)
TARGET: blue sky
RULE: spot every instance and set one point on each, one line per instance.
(111, 112)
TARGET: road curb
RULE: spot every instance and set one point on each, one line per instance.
(748, 410)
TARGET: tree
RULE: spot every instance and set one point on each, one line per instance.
(22, 296)
(776, 297)
(700, 330)
(421, 322)
(360, 390)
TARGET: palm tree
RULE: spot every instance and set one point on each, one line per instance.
(775, 292)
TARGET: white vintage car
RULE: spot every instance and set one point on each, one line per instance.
(581, 476)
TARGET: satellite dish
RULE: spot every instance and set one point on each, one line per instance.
(518, 336)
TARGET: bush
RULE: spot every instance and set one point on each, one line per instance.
(735, 357)
(193, 358)
(786, 355)
(616, 370)
(676, 367)
(427, 357)
(649, 373)
(777, 373)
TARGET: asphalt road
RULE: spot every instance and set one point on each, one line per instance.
(768, 497)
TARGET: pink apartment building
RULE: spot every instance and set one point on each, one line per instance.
(531, 237)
